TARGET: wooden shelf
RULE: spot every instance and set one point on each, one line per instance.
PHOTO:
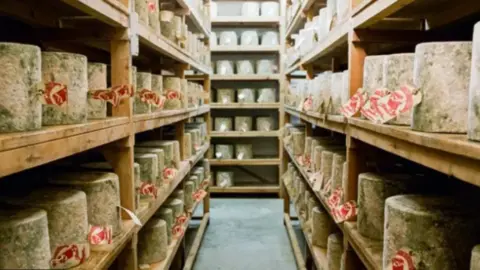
(451, 154)
(369, 251)
(245, 49)
(335, 39)
(245, 21)
(165, 47)
(336, 123)
(245, 106)
(194, 18)
(144, 122)
(246, 189)
(235, 134)
(108, 11)
(176, 243)
(245, 162)
(299, 17)
(253, 77)
(26, 150)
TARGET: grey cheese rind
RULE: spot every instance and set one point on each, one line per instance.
(20, 106)
(244, 151)
(24, 239)
(224, 151)
(153, 242)
(475, 260)
(322, 227)
(148, 167)
(167, 215)
(439, 231)
(265, 123)
(103, 196)
(69, 69)
(144, 81)
(398, 72)
(373, 72)
(337, 170)
(188, 195)
(334, 251)
(223, 124)
(160, 161)
(97, 80)
(243, 123)
(157, 88)
(66, 212)
(172, 84)
(154, 17)
(474, 94)
(441, 72)
(336, 93)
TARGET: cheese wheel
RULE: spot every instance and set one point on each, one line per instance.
(189, 190)
(148, 167)
(475, 260)
(97, 80)
(144, 81)
(246, 95)
(244, 151)
(373, 73)
(153, 242)
(21, 109)
(336, 93)
(474, 92)
(243, 123)
(334, 251)
(168, 150)
(71, 70)
(167, 215)
(24, 239)
(176, 205)
(442, 71)
(160, 161)
(266, 123)
(322, 227)
(224, 151)
(141, 8)
(187, 146)
(225, 95)
(223, 124)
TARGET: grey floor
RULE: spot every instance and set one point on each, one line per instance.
(246, 234)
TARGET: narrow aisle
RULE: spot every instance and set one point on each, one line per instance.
(245, 234)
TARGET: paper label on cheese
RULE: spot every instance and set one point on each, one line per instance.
(396, 103)
(335, 198)
(370, 109)
(53, 93)
(67, 256)
(148, 189)
(218, 154)
(317, 186)
(404, 259)
(240, 156)
(345, 211)
(99, 235)
(132, 215)
(355, 103)
(152, 98)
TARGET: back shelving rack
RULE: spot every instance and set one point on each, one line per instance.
(218, 108)
(108, 31)
(372, 28)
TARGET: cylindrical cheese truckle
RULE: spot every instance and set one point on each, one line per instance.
(308, 146)
(157, 87)
(97, 80)
(172, 88)
(266, 95)
(141, 8)
(243, 123)
(298, 138)
(336, 93)
(224, 151)
(200, 173)
(337, 170)
(442, 71)
(322, 227)
(187, 144)
(244, 151)
(250, 9)
(103, 195)
(224, 179)
(345, 87)
(373, 72)
(166, 214)
(474, 95)
(148, 167)
(154, 16)
(269, 38)
(24, 239)
(189, 189)
(176, 205)
(160, 161)
(475, 260)
(373, 190)
(223, 124)
(71, 70)
(144, 81)
(438, 231)
(228, 38)
(166, 24)
(153, 242)
(245, 67)
(67, 219)
(246, 95)
(224, 67)
(398, 72)
(265, 123)
(266, 66)
(225, 95)
(249, 38)
(19, 77)
(195, 179)
(270, 8)
(334, 251)
(168, 148)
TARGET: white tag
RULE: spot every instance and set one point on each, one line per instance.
(223, 127)
(241, 96)
(224, 100)
(132, 215)
(133, 33)
(317, 186)
(240, 156)
(134, 47)
(218, 154)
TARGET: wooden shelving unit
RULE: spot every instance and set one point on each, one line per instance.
(103, 30)
(274, 108)
(371, 29)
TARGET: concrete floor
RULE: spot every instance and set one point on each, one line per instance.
(245, 234)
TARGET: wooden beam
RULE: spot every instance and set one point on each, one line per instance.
(356, 59)
(192, 254)
(297, 253)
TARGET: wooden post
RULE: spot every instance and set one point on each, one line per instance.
(207, 85)
(206, 202)
(356, 58)
(180, 137)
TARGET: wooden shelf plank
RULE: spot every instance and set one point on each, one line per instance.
(253, 77)
(297, 252)
(245, 162)
(299, 18)
(377, 11)
(235, 134)
(195, 18)
(112, 14)
(335, 39)
(144, 122)
(245, 189)
(245, 106)
(165, 47)
(245, 21)
(336, 123)
(244, 49)
(369, 251)
(192, 254)
(26, 150)
(451, 154)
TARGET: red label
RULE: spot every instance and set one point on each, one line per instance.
(124, 90)
(151, 6)
(105, 95)
(355, 103)
(181, 219)
(199, 195)
(399, 101)
(152, 98)
(148, 189)
(100, 235)
(403, 260)
(370, 110)
(55, 94)
(345, 212)
(334, 198)
(67, 256)
(172, 94)
(308, 104)
(169, 174)
(177, 231)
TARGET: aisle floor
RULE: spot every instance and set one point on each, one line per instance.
(245, 234)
